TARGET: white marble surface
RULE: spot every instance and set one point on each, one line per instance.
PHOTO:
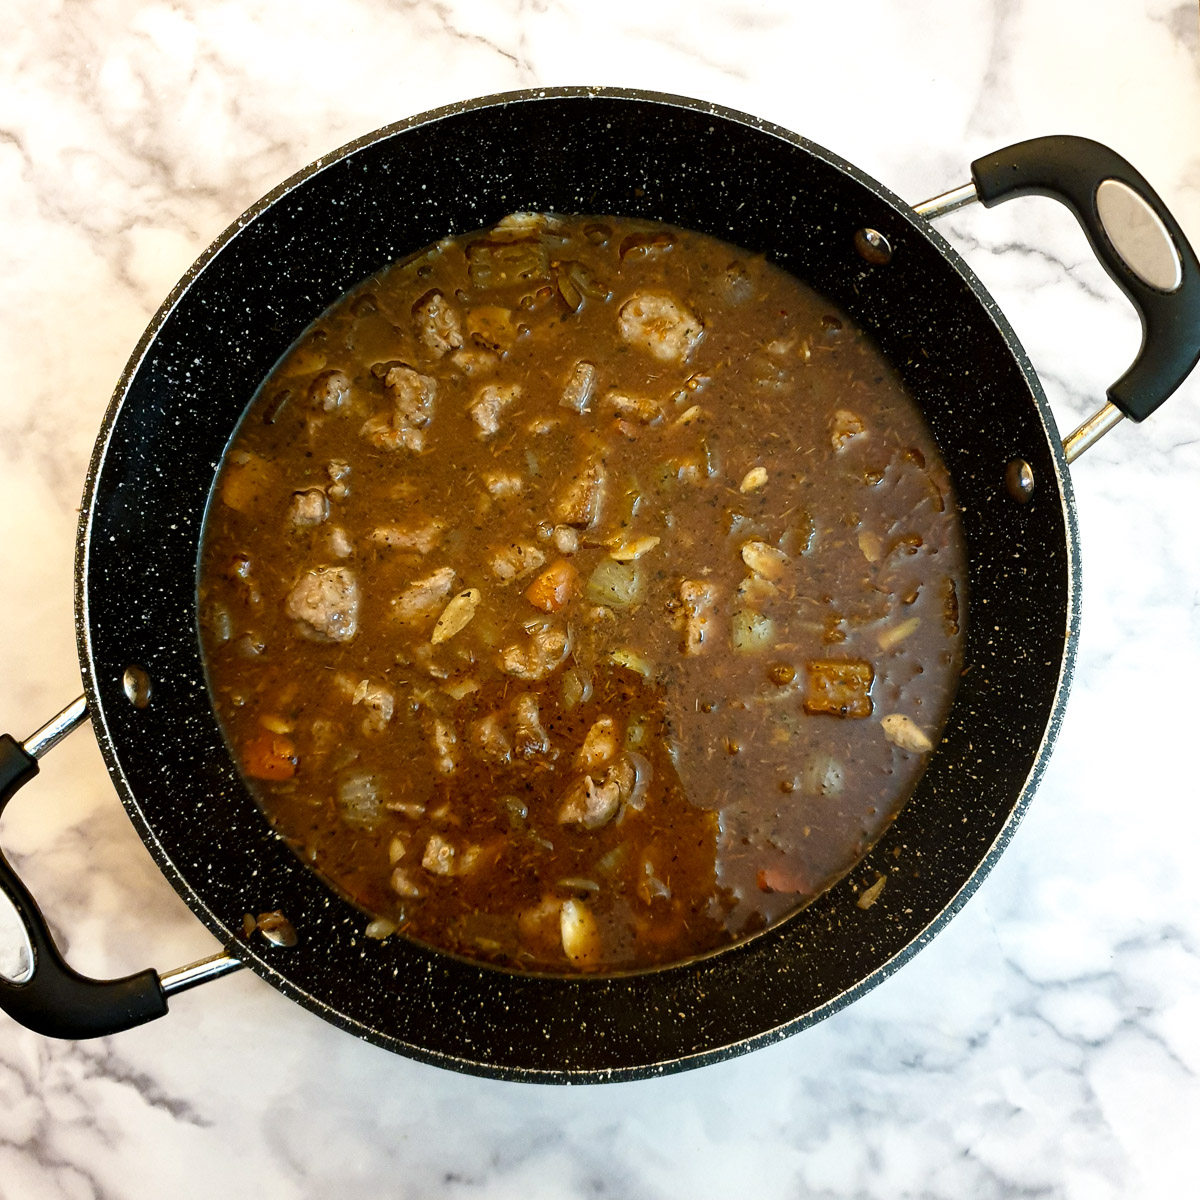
(1046, 1044)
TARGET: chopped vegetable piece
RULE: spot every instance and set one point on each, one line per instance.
(270, 756)
(618, 584)
(629, 551)
(902, 731)
(840, 688)
(893, 635)
(698, 597)
(752, 631)
(765, 561)
(580, 934)
(871, 894)
(754, 480)
(844, 427)
(551, 590)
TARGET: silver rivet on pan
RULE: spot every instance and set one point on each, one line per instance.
(873, 246)
(1018, 479)
(136, 683)
(277, 929)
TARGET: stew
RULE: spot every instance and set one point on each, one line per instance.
(582, 594)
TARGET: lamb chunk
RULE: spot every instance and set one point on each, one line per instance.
(660, 326)
(538, 655)
(590, 804)
(529, 738)
(511, 562)
(338, 472)
(580, 500)
(404, 885)
(489, 739)
(412, 395)
(503, 484)
(420, 537)
(445, 746)
(439, 856)
(379, 702)
(577, 393)
(599, 745)
(698, 598)
(839, 687)
(438, 324)
(309, 508)
(340, 544)
(640, 409)
(383, 433)
(844, 427)
(475, 361)
(423, 600)
(330, 391)
(489, 403)
(325, 604)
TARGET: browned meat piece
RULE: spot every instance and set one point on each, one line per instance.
(490, 402)
(698, 598)
(338, 472)
(444, 741)
(589, 804)
(379, 702)
(439, 856)
(420, 537)
(577, 394)
(502, 485)
(542, 652)
(438, 324)
(423, 600)
(330, 391)
(489, 739)
(511, 562)
(580, 500)
(599, 745)
(325, 604)
(309, 508)
(529, 738)
(641, 409)
(839, 687)
(660, 326)
(412, 395)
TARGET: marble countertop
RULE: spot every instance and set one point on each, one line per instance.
(1046, 1043)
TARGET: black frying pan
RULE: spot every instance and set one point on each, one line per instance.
(279, 266)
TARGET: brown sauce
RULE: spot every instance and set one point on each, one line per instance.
(582, 594)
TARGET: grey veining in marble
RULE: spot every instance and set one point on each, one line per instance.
(1047, 1043)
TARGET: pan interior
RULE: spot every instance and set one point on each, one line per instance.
(382, 198)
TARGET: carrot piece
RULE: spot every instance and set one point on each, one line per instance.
(775, 878)
(554, 586)
(270, 756)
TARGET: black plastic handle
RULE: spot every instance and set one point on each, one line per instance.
(55, 1000)
(1071, 170)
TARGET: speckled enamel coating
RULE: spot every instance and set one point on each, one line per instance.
(273, 272)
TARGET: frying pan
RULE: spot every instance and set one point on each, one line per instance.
(599, 151)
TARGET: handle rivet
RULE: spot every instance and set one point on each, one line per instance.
(137, 686)
(1018, 479)
(873, 246)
